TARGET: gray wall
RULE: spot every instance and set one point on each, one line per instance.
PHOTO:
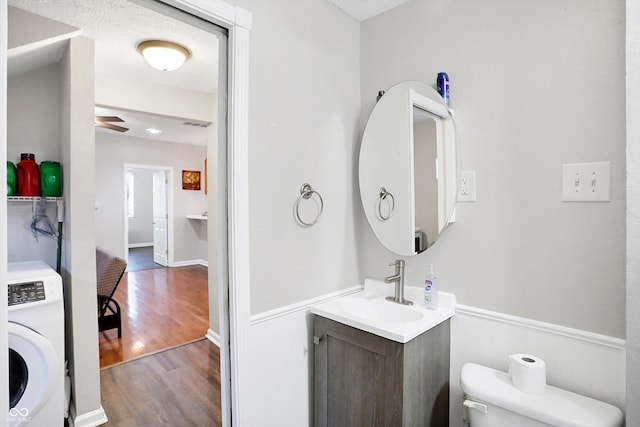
(535, 84)
(112, 152)
(633, 213)
(304, 103)
(141, 225)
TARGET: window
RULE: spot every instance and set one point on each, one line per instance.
(130, 194)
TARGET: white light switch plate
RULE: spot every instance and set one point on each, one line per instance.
(586, 182)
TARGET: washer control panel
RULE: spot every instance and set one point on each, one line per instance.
(20, 293)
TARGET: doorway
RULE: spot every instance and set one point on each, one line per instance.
(231, 205)
(147, 218)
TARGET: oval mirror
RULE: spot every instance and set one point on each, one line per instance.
(409, 168)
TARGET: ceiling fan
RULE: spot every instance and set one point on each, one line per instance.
(104, 122)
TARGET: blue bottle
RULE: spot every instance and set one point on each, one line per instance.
(443, 86)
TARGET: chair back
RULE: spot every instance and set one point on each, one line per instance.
(109, 271)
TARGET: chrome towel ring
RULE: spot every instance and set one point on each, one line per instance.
(305, 193)
(391, 201)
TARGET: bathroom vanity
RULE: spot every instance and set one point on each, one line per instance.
(378, 363)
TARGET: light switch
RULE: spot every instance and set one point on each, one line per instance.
(586, 182)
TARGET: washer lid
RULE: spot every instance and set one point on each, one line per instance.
(41, 362)
(556, 407)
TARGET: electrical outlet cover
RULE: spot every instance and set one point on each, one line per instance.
(467, 190)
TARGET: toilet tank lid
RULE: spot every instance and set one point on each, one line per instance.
(555, 407)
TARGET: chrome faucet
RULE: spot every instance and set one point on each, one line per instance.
(398, 279)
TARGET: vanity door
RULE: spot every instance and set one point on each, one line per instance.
(356, 377)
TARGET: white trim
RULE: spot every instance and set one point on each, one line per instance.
(213, 336)
(550, 328)
(302, 305)
(190, 262)
(88, 419)
(238, 226)
(428, 104)
(4, 358)
(216, 11)
(140, 245)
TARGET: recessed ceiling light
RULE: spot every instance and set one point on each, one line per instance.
(153, 130)
(163, 55)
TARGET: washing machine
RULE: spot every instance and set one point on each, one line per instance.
(36, 346)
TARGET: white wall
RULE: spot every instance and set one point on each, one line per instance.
(77, 152)
(304, 77)
(137, 95)
(141, 224)
(112, 152)
(633, 213)
(304, 84)
(534, 84)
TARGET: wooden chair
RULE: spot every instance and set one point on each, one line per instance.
(109, 271)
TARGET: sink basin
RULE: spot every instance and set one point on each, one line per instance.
(368, 310)
(380, 310)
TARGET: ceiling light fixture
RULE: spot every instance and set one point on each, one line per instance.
(154, 131)
(163, 55)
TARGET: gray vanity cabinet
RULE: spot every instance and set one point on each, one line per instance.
(362, 379)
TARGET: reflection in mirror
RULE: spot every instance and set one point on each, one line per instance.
(409, 168)
(425, 158)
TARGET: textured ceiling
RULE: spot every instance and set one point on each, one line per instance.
(119, 25)
(365, 9)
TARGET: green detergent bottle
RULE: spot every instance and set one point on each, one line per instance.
(11, 179)
(50, 179)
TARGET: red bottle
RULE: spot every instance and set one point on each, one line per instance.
(28, 176)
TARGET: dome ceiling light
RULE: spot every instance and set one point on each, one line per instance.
(163, 55)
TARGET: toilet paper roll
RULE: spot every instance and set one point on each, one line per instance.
(528, 373)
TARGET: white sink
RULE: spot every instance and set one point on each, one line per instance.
(369, 311)
(378, 309)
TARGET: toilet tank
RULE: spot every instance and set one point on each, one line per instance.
(492, 400)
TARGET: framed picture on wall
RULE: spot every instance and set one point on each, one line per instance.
(190, 180)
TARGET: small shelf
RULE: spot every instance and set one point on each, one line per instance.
(200, 217)
(33, 199)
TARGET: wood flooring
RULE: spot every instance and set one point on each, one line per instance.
(161, 308)
(176, 387)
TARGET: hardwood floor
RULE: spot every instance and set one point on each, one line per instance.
(161, 308)
(176, 387)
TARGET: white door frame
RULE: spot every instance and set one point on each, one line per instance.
(4, 357)
(169, 171)
(233, 210)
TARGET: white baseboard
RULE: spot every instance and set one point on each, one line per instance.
(89, 419)
(213, 336)
(140, 245)
(190, 262)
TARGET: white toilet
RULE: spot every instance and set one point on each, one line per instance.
(491, 400)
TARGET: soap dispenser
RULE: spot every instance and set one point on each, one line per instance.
(430, 289)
